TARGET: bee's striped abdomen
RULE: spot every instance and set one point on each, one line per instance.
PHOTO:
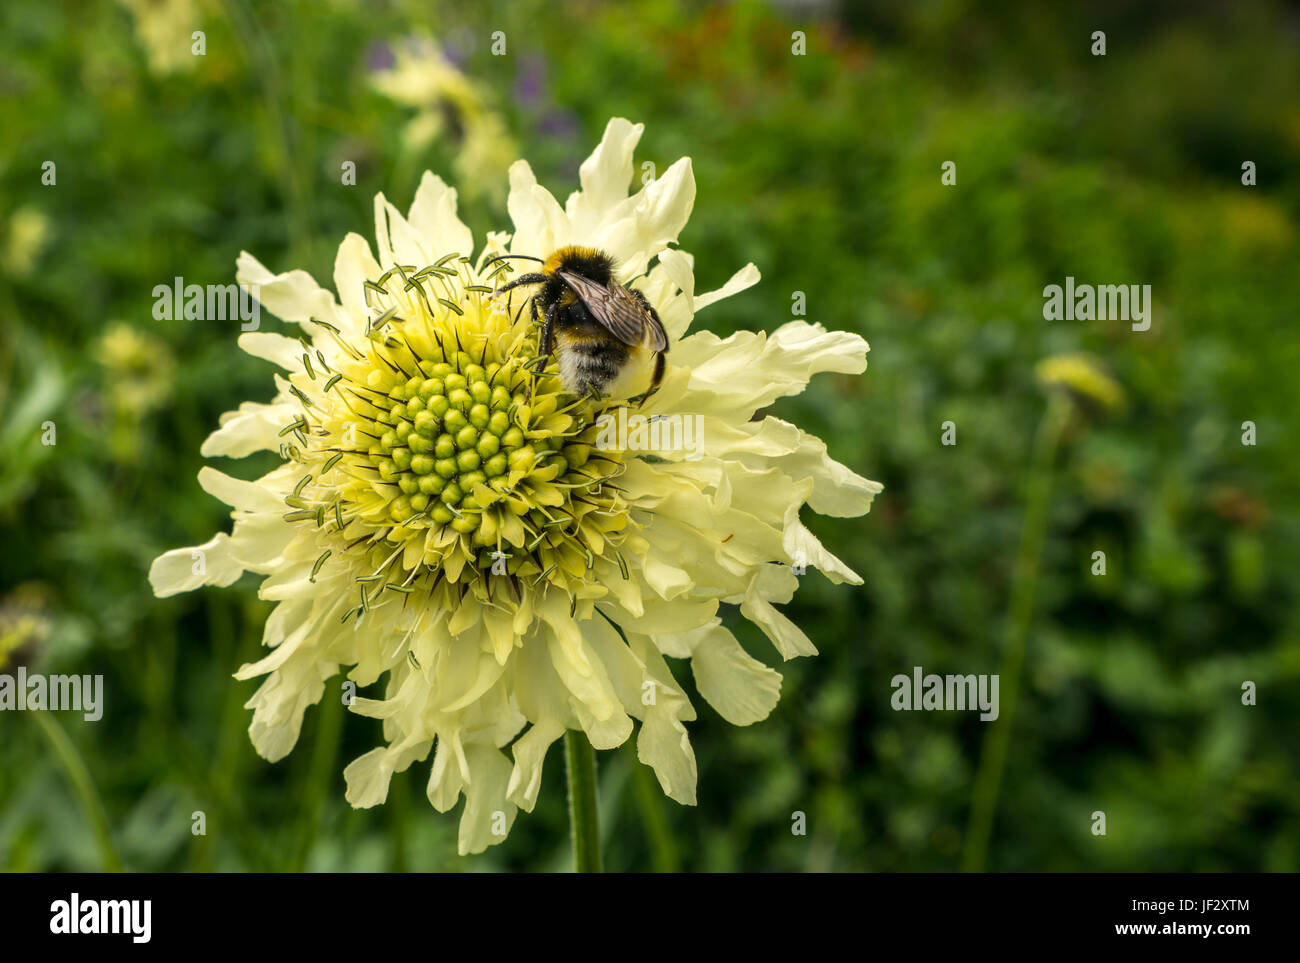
(589, 361)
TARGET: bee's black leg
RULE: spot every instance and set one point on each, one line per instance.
(659, 356)
(543, 347)
(645, 302)
(655, 379)
(522, 279)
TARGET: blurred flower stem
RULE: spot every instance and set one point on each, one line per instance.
(266, 67)
(84, 787)
(315, 784)
(663, 848)
(1024, 583)
(580, 761)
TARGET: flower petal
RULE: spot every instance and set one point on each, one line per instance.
(185, 569)
(434, 218)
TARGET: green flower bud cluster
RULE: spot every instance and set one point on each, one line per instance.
(447, 431)
(457, 427)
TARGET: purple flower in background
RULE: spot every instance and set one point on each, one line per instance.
(379, 57)
(559, 123)
(457, 47)
(530, 84)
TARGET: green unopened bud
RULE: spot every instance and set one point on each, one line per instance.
(400, 508)
(522, 459)
(577, 455)
(467, 437)
(426, 423)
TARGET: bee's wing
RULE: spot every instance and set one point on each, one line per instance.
(619, 311)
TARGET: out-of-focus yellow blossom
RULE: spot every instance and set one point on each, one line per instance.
(29, 229)
(1084, 378)
(450, 105)
(139, 375)
(165, 28)
(24, 624)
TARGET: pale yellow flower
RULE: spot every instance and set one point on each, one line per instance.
(139, 369)
(518, 579)
(29, 231)
(1083, 377)
(24, 624)
(449, 104)
(165, 28)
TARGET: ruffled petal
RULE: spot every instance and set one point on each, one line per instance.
(434, 218)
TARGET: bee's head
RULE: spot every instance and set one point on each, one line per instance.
(590, 262)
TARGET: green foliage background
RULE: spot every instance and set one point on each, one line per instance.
(824, 171)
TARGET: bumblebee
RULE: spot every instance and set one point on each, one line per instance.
(597, 328)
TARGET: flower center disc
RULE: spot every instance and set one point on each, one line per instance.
(433, 445)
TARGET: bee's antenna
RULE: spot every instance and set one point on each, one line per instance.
(505, 257)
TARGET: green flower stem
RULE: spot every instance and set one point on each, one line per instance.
(84, 787)
(649, 799)
(580, 761)
(320, 774)
(993, 755)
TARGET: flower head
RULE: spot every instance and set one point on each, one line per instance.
(29, 230)
(449, 104)
(25, 624)
(165, 28)
(1083, 378)
(448, 521)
